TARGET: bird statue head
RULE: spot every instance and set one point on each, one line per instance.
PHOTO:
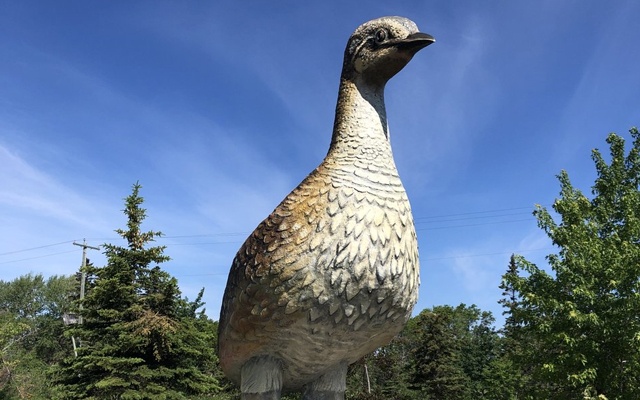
(380, 48)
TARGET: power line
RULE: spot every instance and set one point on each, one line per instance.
(225, 269)
(418, 228)
(470, 225)
(36, 248)
(204, 235)
(485, 254)
(420, 221)
(226, 272)
(203, 243)
(43, 256)
(423, 220)
(476, 212)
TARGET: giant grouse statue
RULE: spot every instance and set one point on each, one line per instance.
(332, 274)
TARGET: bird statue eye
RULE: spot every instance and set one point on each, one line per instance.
(381, 35)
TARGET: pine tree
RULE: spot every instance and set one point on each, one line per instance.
(139, 338)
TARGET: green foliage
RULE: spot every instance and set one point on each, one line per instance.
(140, 339)
(444, 352)
(436, 365)
(31, 333)
(383, 374)
(580, 320)
(455, 353)
(30, 296)
(12, 331)
(511, 369)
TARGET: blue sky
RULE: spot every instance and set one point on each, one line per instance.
(220, 108)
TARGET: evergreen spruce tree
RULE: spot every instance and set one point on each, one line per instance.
(138, 339)
(511, 371)
(509, 299)
(436, 371)
(479, 347)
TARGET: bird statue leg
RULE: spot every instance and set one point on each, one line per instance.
(261, 379)
(330, 386)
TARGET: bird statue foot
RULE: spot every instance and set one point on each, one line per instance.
(330, 386)
(261, 379)
(271, 395)
(323, 395)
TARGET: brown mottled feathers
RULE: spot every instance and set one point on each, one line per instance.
(339, 251)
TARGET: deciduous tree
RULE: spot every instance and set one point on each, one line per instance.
(582, 315)
(31, 333)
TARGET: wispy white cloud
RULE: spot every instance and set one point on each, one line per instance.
(41, 217)
(476, 272)
(30, 190)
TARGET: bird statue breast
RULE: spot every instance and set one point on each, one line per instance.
(332, 273)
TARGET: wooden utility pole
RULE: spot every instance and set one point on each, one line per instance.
(83, 269)
(83, 278)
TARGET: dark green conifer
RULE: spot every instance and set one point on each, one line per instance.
(139, 339)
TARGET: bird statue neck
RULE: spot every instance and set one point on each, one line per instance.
(361, 119)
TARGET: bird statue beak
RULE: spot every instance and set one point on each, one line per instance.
(415, 42)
